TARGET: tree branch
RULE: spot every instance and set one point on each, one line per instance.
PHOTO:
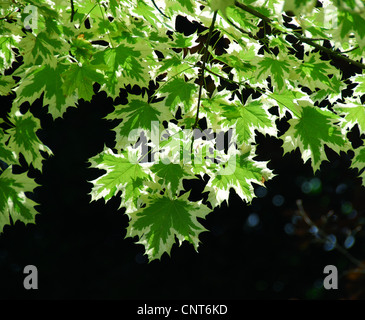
(72, 10)
(252, 11)
(330, 52)
(335, 54)
(205, 58)
(324, 236)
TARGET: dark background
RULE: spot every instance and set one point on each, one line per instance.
(80, 250)
(257, 251)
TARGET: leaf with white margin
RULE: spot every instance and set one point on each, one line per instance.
(138, 115)
(278, 68)
(179, 93)
(254, 115)
(42, 48)
(13, 201)
(163, 219)
(170, 176)
(45, 79)
(6, 154)
(24, 139)
(6, 84)
(314, 72)
(331, 93)
(286, 101)
(80, 78)
(9, 38)
(311, 131)
(299, 6)
(122, 65)
(354, 113)
(360, 80)
(350, 23)
(123, 172)
(358, 162)
(239, 172)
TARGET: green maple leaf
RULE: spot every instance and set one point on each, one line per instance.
(221, 5)
(123, 65)
(174, 7)
(24, 140)
(247, 118)
(136, 35)
(80, 78)
(138, 115)
(313, 72)
(6, 154)
(82, 49)
(6, 84)
(360, 80)
(240, 62)
(211, 107)
(351, 22)
(149, 13)
(13, 201)
(354, 113)
(299, 6)
(114, 6)
(182, 41)
(39, 79)
(238, 173)
(311, 131)
(172, 64)
(123, 173)
(358, 162)
(171, 175)
(180, 93)
(188, 4)
(9, 38)
(42, 48)
(349, 5)
(331, 93)
(163, 219)
(7, 56)
(286, 101)
(277, 68)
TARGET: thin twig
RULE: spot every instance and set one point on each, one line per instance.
(350, 50)
(324, 236)
(335, 54)
(153, 1)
